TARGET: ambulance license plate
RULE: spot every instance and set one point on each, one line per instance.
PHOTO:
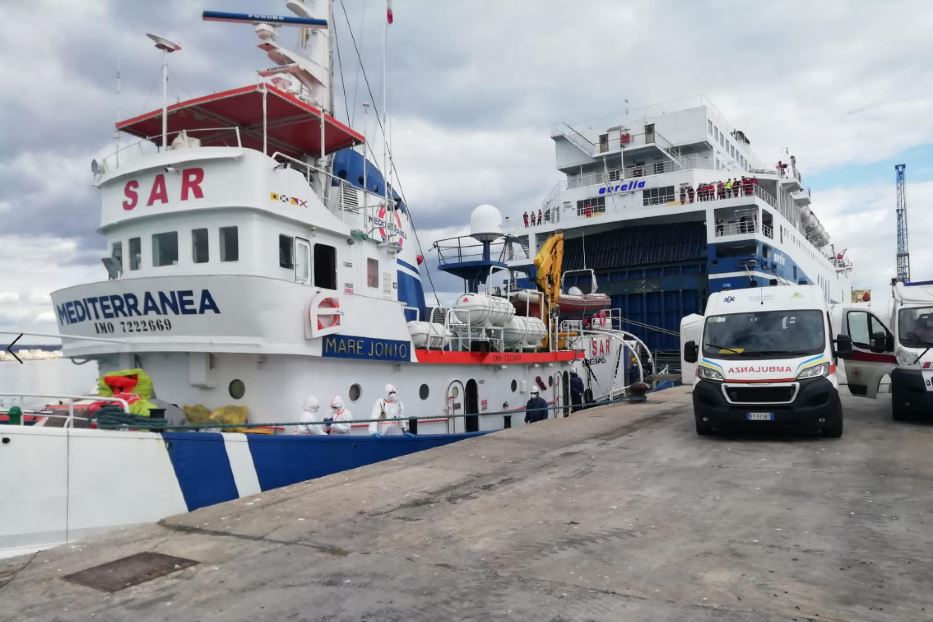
(759, 416)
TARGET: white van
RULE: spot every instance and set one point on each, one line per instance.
(766, 357)
(903, 351)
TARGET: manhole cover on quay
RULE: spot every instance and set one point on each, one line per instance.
(133, 570)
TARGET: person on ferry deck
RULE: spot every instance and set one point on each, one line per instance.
(576, 391)
(309, 417)
(690, 194)
(536, 408)
(389, 411)
(720, 190)
(340, 417)
(525, 218)
(683, 195)
(540, 217)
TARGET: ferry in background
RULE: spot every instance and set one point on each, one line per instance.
(633, 210)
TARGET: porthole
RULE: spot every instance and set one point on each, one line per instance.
(424, 391)
(356, 391)
(454, 391)
(550, 381)
(514, 385)
(237, 389)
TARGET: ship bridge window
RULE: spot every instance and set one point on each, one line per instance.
(165, 249)
(658, 196)
(286, 251)
(136, 253)
(588, 207)
(325, 266)
(229, 244)
(199, 252)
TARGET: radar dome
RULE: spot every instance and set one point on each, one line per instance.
(486, 223)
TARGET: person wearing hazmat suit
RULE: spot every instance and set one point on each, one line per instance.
(386, 409)
(340, 417)
(309, 416)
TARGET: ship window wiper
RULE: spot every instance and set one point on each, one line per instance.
(724, 349)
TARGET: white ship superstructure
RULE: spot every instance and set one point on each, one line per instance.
(633, 208)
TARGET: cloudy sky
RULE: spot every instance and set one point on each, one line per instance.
(474, 88)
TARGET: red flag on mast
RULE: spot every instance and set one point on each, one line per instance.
(389, 17)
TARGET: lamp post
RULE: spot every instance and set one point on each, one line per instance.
(167, 48)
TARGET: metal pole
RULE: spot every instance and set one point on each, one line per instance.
(385, 89)
(164, 97)
(365, 157)
(265, 92)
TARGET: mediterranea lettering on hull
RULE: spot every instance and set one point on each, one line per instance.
(158, 303)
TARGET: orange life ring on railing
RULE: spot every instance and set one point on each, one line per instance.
(328, 320)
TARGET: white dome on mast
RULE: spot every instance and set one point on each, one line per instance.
(486, 223)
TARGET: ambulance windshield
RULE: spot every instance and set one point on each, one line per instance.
(764, 334)
(915, 327)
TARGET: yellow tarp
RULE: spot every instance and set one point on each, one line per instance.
(225, 415)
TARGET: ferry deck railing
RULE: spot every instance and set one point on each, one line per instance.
(613, 204)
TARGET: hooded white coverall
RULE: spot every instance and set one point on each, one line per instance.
(388, 407)
(309, 415)
(341, 417)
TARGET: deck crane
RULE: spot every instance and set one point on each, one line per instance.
(903, 257)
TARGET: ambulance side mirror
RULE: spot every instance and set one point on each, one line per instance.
(690, 351)
(879, 342)
(843, 346)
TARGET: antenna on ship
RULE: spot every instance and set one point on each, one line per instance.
(167, 48)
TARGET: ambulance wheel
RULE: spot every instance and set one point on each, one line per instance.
(703, 427)
(898, 412)
(834, 428)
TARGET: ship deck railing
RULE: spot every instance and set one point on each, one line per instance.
(577, 214)
(66, 420)
(464, 249)
(149, 144)
(743, 228)
(349, 202)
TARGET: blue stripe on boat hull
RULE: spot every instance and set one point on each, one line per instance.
(201, 467)
(284, 460)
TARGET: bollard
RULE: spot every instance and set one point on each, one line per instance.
(15, 415)
(638, 390)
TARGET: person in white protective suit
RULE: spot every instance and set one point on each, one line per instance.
(309, 416)
(385, 409)
(340, 417)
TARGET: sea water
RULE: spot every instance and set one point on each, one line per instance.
(49, 377)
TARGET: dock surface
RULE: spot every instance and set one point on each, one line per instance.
(616, 513)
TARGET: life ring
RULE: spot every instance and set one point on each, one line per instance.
(331, 319)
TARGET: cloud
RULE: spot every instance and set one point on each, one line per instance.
(863, 219)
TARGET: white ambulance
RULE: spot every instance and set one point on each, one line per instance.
(904, 351)
(766, 357)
